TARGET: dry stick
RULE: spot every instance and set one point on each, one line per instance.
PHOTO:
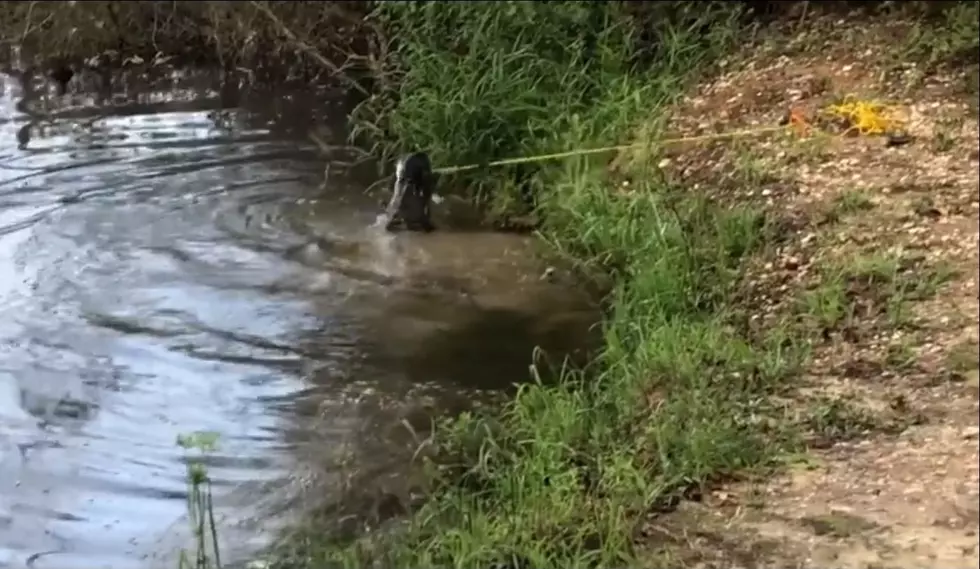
(27, 22)
(799, 24)
(325, 149)
(307, 48)
(28, 28)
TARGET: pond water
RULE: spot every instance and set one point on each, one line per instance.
(171, 263)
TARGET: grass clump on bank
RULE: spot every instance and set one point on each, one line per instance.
(566, 473)
(474, 82)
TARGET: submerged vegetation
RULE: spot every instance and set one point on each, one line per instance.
(568, 473)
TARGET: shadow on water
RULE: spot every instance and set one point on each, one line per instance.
(168, 265)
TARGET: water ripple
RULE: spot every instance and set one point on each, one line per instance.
(160, 275)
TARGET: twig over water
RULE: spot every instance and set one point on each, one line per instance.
(307, 48)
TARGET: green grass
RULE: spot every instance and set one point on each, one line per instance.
(951, 37)
(962, 359)
(867, 289)
(473, 82)
(851, 202)
(839, 419)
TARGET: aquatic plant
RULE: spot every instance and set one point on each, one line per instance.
(200, 503)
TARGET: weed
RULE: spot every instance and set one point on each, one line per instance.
(838, 524)
(971, 85)
(200, 505)
(825, 306)
(809, 150)
(962, 358)
(901, 356)
(750, 168)
(955, 37)
(838, 419)
(943, 141)
(856, 293)
(852, 202)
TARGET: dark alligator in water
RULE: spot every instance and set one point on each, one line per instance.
(411, 201)
(410, 206)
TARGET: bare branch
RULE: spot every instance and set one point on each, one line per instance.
(307, 48)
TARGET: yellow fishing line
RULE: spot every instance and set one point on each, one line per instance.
(865, 117)
(605, 149)
(868, 118)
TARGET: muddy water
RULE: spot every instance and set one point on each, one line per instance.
(161, 273)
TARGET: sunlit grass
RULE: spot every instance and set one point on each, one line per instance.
(478, 81)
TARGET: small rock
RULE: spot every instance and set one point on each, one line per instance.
(971, 432)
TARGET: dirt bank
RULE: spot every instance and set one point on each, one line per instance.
(878, 266)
